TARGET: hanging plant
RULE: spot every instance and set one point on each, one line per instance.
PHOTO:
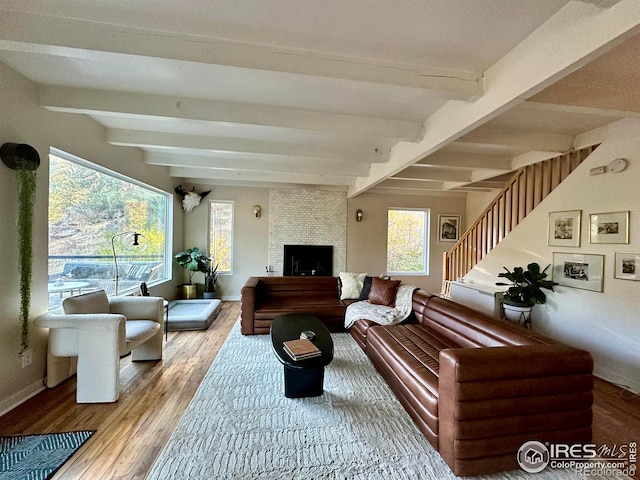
(26, 203)
(24, 160)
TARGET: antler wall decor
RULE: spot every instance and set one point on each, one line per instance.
(190, 199)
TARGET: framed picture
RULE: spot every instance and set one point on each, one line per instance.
(609, 227)
(627, 266)
(578, 270)
(564, 228)
(448, 228)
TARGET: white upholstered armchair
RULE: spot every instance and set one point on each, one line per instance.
(98, 330)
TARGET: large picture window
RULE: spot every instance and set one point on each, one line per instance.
(221, 235)
(92, 212)
(408, 241)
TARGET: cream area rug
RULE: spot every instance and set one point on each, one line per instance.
(239, 424)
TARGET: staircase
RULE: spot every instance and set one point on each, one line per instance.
(526, 189)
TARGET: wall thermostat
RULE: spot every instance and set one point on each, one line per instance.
(617, 165)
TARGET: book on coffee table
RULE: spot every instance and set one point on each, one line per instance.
(301, 349)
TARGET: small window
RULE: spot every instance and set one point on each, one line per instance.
(408, 241)
(221, 235)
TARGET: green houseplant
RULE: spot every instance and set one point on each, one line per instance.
(525, 289)
(210, 281)
(192, 260)
(26, 201)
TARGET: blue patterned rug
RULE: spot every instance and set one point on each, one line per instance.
(37, 457)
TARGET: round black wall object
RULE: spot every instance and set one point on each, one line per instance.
(19, 156)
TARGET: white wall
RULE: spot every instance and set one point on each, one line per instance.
(24, 121)
(606, 324)
(367, 240)
(250, 240)
(477, 202)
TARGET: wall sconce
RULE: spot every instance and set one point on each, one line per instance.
(257, 211)
(359, 215)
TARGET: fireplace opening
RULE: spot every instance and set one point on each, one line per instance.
(311, 260)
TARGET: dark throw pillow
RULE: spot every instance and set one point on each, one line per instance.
(366, 288)
(383, 292)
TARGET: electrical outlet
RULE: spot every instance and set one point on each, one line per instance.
(598, 171)
(27, 358)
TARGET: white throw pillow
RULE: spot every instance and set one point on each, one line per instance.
(352, 284)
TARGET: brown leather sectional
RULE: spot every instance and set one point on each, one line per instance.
(479, 388)
(476, 387)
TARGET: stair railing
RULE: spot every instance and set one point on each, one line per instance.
(526, 189)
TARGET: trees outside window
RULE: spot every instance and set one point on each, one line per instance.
(408, 241)
(88, 206)
(221, 235)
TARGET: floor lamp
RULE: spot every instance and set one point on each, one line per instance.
(136, 242)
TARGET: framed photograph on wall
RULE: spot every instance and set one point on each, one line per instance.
(578, 270)
(564, 228)
(448, 228)
(609, 227)
(627, 266)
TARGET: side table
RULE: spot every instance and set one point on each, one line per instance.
(302, 378)
(165, 304)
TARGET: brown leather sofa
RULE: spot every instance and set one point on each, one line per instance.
(479, 388)
(264, 298)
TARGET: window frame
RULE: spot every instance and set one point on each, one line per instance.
(168, 233)
(427, 241)
(233, 231)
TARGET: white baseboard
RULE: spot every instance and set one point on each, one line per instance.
(612, 377)
(230, 298)
(20, 397)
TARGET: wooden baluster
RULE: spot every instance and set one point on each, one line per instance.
(484, 235)
(465, 255)
(500, 217)
(546, 178)
(445, 264)
(555, 173)
(478, 232)
(537, 184)
(515, 202)
(527, 188)
(565, 165)
(507, 211)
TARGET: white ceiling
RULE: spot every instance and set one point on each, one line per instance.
(410, 96)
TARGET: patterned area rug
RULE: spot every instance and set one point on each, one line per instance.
(38, 456)
(239, 424)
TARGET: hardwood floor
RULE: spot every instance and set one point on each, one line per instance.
(132, 432)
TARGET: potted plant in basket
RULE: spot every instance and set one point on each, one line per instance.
(192, 260)
(525, 290)
(210, 280)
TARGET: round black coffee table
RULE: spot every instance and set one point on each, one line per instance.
(302, 378)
